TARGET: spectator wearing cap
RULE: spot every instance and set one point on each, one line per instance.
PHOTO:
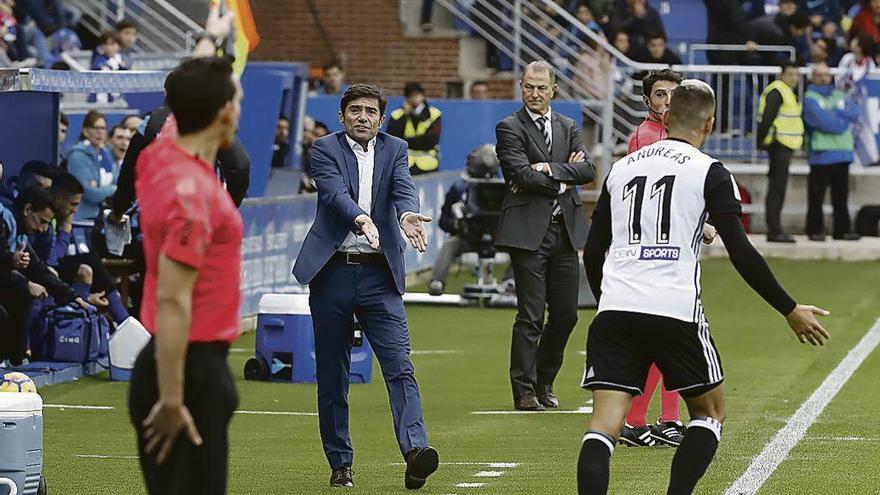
(92, 164)
(418, 123)
(829, 115)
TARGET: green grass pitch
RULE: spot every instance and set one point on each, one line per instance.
(768, 375)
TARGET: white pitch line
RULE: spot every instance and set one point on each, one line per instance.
(277, 413)
(96, 456)
(433, 352)
(240, 349)
(469, 485)
(845, 439)
(489, 474)
(87, 408)
(787, 438)
(495, 465)
(507, 465)
(581, 410)
(244, 411)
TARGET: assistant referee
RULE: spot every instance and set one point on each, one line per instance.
(192, 247)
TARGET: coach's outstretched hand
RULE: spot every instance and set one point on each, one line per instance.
(802, 321)
(162, 427)
(368, 229)
(415, 231)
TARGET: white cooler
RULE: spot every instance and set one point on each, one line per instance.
(21, 444)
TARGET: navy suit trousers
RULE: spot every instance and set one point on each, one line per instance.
(338, 293)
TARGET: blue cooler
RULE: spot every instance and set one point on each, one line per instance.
(286, 343)
(21, 443)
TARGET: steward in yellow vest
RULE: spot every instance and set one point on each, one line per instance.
(418, 123)
(780, 112)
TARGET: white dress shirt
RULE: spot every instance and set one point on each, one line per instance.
(365, 163)
(549, 128)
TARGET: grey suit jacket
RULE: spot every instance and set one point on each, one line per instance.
(525, 215)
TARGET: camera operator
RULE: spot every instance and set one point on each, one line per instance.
(482, 165)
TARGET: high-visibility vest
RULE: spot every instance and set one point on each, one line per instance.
(788, 127)
(830, 141)
(423, 160)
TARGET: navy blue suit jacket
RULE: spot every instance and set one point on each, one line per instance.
(335, 171)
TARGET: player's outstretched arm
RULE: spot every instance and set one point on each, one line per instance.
(755, 271)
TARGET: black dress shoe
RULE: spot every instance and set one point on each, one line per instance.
(781, 237)
(817, 237)
(527, 403)
(849, 236)
(420, 463)
(342, 477)
(546, 397)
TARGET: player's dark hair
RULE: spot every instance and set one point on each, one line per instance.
(660, 75)
(125, 24)
(39, 199)
(67, 185)
(356, 91)
(197, 90)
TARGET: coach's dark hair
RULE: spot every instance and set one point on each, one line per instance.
(197, 90)
(659, 75)
(356, 91)
(66, 184)
(39, 199)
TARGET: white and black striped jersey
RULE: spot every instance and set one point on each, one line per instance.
(657, 200)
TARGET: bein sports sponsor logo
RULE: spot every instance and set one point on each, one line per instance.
(660, 253)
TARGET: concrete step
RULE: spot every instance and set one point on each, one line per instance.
(865, 249)
(442, 21)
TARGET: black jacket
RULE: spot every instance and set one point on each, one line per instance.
(726, 25)
(234, 164)
(37, 271)
(525, 216)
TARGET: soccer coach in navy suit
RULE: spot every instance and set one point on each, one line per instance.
(352, 259)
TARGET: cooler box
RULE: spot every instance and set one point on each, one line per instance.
(126, 344)
(286, 343)
(21, 443)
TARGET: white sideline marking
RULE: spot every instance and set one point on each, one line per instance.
(88, 408)
(96, 456)
(277, 413)
(763, 466)
(495, 465)
(110, 408)
(430, 352)
(580, 410)
(489, 474)
(845, 439)
(469, 485)
(508, 465)
(240, 349)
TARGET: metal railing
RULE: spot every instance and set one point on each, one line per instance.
(161, 26)
(604, 80)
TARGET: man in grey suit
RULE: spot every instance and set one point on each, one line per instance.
(542, 225)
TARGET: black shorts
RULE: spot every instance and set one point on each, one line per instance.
(621, 347)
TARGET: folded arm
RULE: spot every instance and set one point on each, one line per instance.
(516, 166)
(576, 173)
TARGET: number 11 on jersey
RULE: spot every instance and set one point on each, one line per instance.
(634, 192)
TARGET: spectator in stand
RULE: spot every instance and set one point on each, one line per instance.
(585, 16)
(312, 130)
(63, 125)
(132, 122)
(107, 55)
(656, 51)
(91, 162)
(620, 41)
(821, 10)
(120, 137)
(776, 30)
(726, 26)
(818, 52)
(34, 174)
(867, 21)
(835, 46)
(479, 91)
(829, 115)
(418, 123)
(333, 82)
(856, 66)
(128, 35)
(282, 141)
(637, 19)
(780, 133)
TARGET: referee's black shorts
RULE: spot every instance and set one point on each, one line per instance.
(622, 345)
(209, 394)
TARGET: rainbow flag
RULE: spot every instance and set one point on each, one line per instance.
(246, 36)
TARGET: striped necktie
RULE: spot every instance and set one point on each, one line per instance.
(540, 121)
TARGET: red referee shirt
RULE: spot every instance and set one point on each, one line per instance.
(187, 215)
(648, 132)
